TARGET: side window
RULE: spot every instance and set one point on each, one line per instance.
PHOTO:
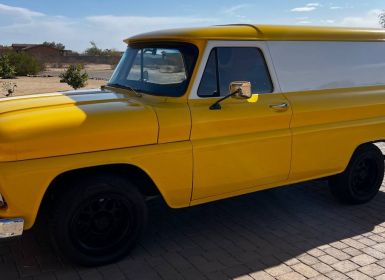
(234, 64)
(208, 86)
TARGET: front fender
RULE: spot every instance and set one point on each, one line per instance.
(24, 183)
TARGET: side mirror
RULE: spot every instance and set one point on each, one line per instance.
(241, 89)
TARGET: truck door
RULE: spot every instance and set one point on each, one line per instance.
(246, 143)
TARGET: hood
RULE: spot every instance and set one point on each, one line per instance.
(45, 125)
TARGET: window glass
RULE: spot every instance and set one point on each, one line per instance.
(160, 66)
(243, 64)
(229, 64)
(208, 84)
(162, 69)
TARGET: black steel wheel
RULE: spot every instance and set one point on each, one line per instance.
(98, 219)
(362, 178)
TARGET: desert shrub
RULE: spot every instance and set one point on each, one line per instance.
(7, 70)
(75, 76)
(25, 64)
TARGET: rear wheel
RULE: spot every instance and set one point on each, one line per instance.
(98, 219)
(362, 178)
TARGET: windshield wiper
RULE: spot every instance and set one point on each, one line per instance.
(126, 87)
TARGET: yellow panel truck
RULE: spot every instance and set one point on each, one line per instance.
(194, 115)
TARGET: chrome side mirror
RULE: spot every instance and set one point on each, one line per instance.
(240, 89)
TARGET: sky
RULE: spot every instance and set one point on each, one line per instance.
(107, 22)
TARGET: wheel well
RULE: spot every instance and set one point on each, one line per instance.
(378, 143)
(132, 173)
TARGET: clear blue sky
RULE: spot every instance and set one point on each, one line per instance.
(75, 23)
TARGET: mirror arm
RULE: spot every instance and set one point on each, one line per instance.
(217, 105)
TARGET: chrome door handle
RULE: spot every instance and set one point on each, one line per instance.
(279, 107)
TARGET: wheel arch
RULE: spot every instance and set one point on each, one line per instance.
(132, 173)
(378, 143)
(357, 184)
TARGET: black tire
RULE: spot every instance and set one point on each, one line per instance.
(363, 177)
(97, 219)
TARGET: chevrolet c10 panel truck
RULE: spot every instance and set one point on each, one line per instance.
(194, 115)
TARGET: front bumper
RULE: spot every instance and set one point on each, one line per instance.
(11, 227)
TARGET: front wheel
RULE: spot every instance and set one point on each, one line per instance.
(363, 177)
(98, 219)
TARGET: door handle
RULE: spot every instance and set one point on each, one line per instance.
(279, 107)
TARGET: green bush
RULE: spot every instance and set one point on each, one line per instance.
(74, 77)
(7, 70)
(25, 64)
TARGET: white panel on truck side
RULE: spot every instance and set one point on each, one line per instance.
(317, 65)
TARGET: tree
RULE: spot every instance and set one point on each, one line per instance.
(382, 19)
(74, 77)
(7, 70)
(58, 46)
(93, 50)
(112, 52)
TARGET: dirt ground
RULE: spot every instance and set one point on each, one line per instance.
(98, 74)
(33, 85)
(95, 71)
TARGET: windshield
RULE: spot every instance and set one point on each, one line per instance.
(163, 69)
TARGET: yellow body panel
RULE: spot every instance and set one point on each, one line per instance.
(56, 124)
(329, 125)
(193, 154)
(242, 127)
(263, 32)
(23, 183)
(174, 122)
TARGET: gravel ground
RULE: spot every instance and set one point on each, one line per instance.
(95, 71)
(34, 85)
(49, 81)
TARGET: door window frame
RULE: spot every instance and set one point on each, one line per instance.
(261, 45)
